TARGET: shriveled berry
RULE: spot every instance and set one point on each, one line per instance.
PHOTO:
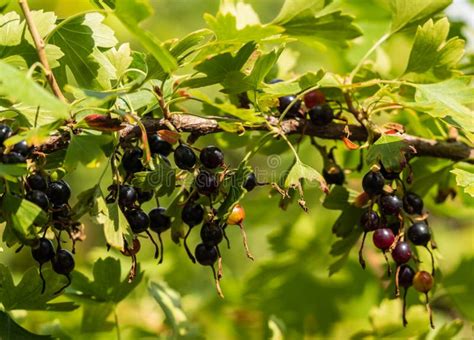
(211, 157)
(192, 214)
(133, 250)
(250, 182)
(390, 204)
(370, 221)
(131, 160)
(412, 203)
(44, 251)
(159, 221)
(383, 238)
(204, 255)
(373, 183)
(59, 192)
(405, 276)
(138, 220)
(333, 174)
(37, 182)
(39, 198)
(321, 115)
(184, 157)
(419, 234)
(206, 183)
(423, 281)
(159, 146)
(401, 253)
(63, 262)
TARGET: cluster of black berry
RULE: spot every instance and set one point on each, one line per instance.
(387, 217)
(198, 208)
(52, 197)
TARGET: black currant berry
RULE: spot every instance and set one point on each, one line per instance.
(390, 204)
(37, 182)
(63, 262)
(412, 203)
(22, 148)
(333, 174)
(39, 198)
(206, 183)
(401, 253)
(5, 133)
(373, 183)
(159, 222)
(285, 101)
(159, 146)
(211, 234)
(192, 214)
(389, 175)
(138, 220)
(131, 160)
(383, 238)
(250, 182)
(44, 251)
(211, 157)
(206, 256)
(419, 234)
(321, 115)
(127, 196)
(143, 195)
(405, 276)
(13, 158)
(370, 221)
(59, 192)
(184, 157)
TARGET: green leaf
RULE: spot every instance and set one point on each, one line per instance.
(339, 198)
(388, 149)
(406, 13)
(343, 246)
(87, 149)
(423, 183)
(449, 330)
(27, 294)
(459, 285)
(10, 330)
(21, 89)
(298, 85)
(120, 59)
(431, 57)
(294, 8)
(11, 171)
(170, 303)
(11, 30)
(95, 315)
(236, 192)
(162, 179)
(87, 202)
(107, 284)
(449, 100)
(465, 179)
(78, 39)
(35, 136)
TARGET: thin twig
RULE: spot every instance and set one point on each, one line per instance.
(40, 48)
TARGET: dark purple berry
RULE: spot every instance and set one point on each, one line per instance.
(412, 203)
(63, 262)
(44, 251)
(373, 183)
(131, 160)
(419, 234)
(211, 234)
(250, 182)
(333, 174)
(389, 175)
(369, 221)
(5, 133)
(159, 146)
(138, 220)
(127, 196)
(205, 256)
(159, 222)
(144, 195)
(211, 157)
(383, 238)
(59, 192)
(405, 276)
(37, 182)
(390, 204)
(22, 148)
(285, 101)
(13, 158)
(206, 183)
(39, 198)
(184, 157)
(401, 253)
(321, 115)
(192, 214)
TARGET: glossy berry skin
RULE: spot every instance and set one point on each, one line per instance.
(412, 203)
(59, 192)
(373, 183)
(333, 174)
(159, 222)
(383, 238)
(401, 253)
(138, 220)
(206, 183)
(423, 281)
(131, 160)
(192, 214)
(37, 182)
(5, 133)
(237, 216)
(389, 175)
(419, 234)
(63, 262)
(405, 276)
(285, 101)
(44, 252)
(127, 196)
(250, 182)
(143, 195)
(370, 221)
(184, 157)
(39, 198)
(313, 98)
(204, 255)
(13, 158)
(159, 146)
(22, 148)
(321, 115)
(390, 204)
(211, 234)
(211, 157)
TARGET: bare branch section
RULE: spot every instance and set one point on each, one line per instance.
(40, 48)
(200, 126)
